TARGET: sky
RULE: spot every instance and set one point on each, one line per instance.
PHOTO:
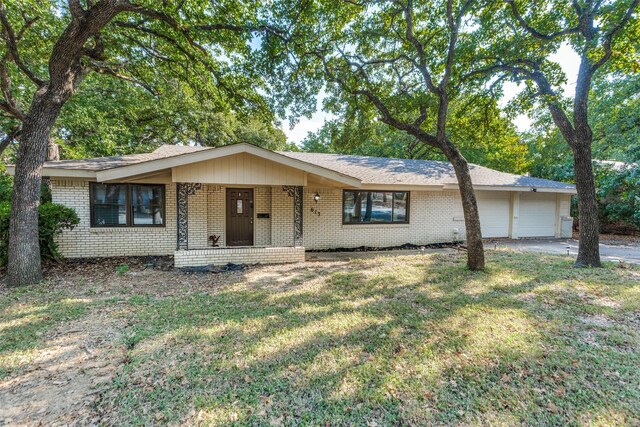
(568, 59)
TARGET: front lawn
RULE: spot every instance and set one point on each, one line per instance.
(387, 341)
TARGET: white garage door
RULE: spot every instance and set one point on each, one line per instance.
(537, 215)
(494, 213)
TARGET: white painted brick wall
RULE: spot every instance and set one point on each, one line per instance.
(281, 218)
(216, 213)
(85, 241)
(198, 218)
(433, 218)
(262, 204)
(221, 256)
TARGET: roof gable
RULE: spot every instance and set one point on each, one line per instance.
(201, 155)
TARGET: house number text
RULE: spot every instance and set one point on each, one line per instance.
(315, 211)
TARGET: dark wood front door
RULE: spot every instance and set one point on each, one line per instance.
(239, 217)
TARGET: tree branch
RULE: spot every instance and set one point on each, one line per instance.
(76, 9)
(422, 60)
(12, 45)
(8, 138)
(546, 92)
(611, 34)
(535, 33)
(103, 69)
(9, 105)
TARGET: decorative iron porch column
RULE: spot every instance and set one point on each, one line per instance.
(298, 204)
(183, 191)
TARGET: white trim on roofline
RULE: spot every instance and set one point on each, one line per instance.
(213, 153)
(59, 172)
(514, 188)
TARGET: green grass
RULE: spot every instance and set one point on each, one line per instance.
(388, 341)
(25, 315)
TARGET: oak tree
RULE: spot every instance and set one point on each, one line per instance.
(519, 40)
(399, 61)
(48, 49)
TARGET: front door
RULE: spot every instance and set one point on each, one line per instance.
(239, 217)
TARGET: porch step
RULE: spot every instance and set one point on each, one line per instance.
(239, 255)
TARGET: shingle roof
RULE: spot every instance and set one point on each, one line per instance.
(369, 170)
(380, 170)
(103, 163)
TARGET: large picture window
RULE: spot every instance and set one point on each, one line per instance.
(366, 207)
(127, 205)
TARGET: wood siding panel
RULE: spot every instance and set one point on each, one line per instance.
(239, 169)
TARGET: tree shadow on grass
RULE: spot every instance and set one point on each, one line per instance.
(432, 344)
(22, 328)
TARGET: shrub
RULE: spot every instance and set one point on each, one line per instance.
(6, 185)
(53, 219)
(122, 269)
(619, 194)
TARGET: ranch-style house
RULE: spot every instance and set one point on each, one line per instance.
(245, 204)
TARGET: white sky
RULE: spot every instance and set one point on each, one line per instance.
(568, 59)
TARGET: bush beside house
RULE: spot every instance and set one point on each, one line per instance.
(53, 219)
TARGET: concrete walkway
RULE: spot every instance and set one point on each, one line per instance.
(627, 252)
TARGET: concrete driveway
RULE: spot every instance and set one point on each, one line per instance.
(620, 251)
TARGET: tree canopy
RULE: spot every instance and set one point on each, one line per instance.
(403, 63)
(171, 73)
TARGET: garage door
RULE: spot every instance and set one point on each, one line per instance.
(537, 215)
(494, 213)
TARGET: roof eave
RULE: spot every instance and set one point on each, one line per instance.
(515, 188)
(59, 172)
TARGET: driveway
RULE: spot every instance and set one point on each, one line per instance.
(609, 251)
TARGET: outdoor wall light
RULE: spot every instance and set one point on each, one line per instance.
(316, 197)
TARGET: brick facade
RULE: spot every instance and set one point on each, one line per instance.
(246, 255)
(87, 241)
(434, 217)
(431, 220)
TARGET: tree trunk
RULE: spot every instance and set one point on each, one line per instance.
(475, 248)
(24, 249)
(589, 244)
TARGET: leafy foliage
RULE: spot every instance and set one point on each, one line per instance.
(615, 115)
(53, 219)
(619, 193)
(110, 117)
(6, 184)
(173, 79)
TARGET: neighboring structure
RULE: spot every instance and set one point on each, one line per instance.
(241, 203)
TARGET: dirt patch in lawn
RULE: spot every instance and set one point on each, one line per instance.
(74, 364)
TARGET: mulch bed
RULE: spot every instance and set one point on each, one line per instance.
(389, 248)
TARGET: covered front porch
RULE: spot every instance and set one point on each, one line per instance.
(219, 224)
(236, 203)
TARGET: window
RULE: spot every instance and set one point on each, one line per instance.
(109, 205)
(148, 204)
(127, 205)
(366, 207)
